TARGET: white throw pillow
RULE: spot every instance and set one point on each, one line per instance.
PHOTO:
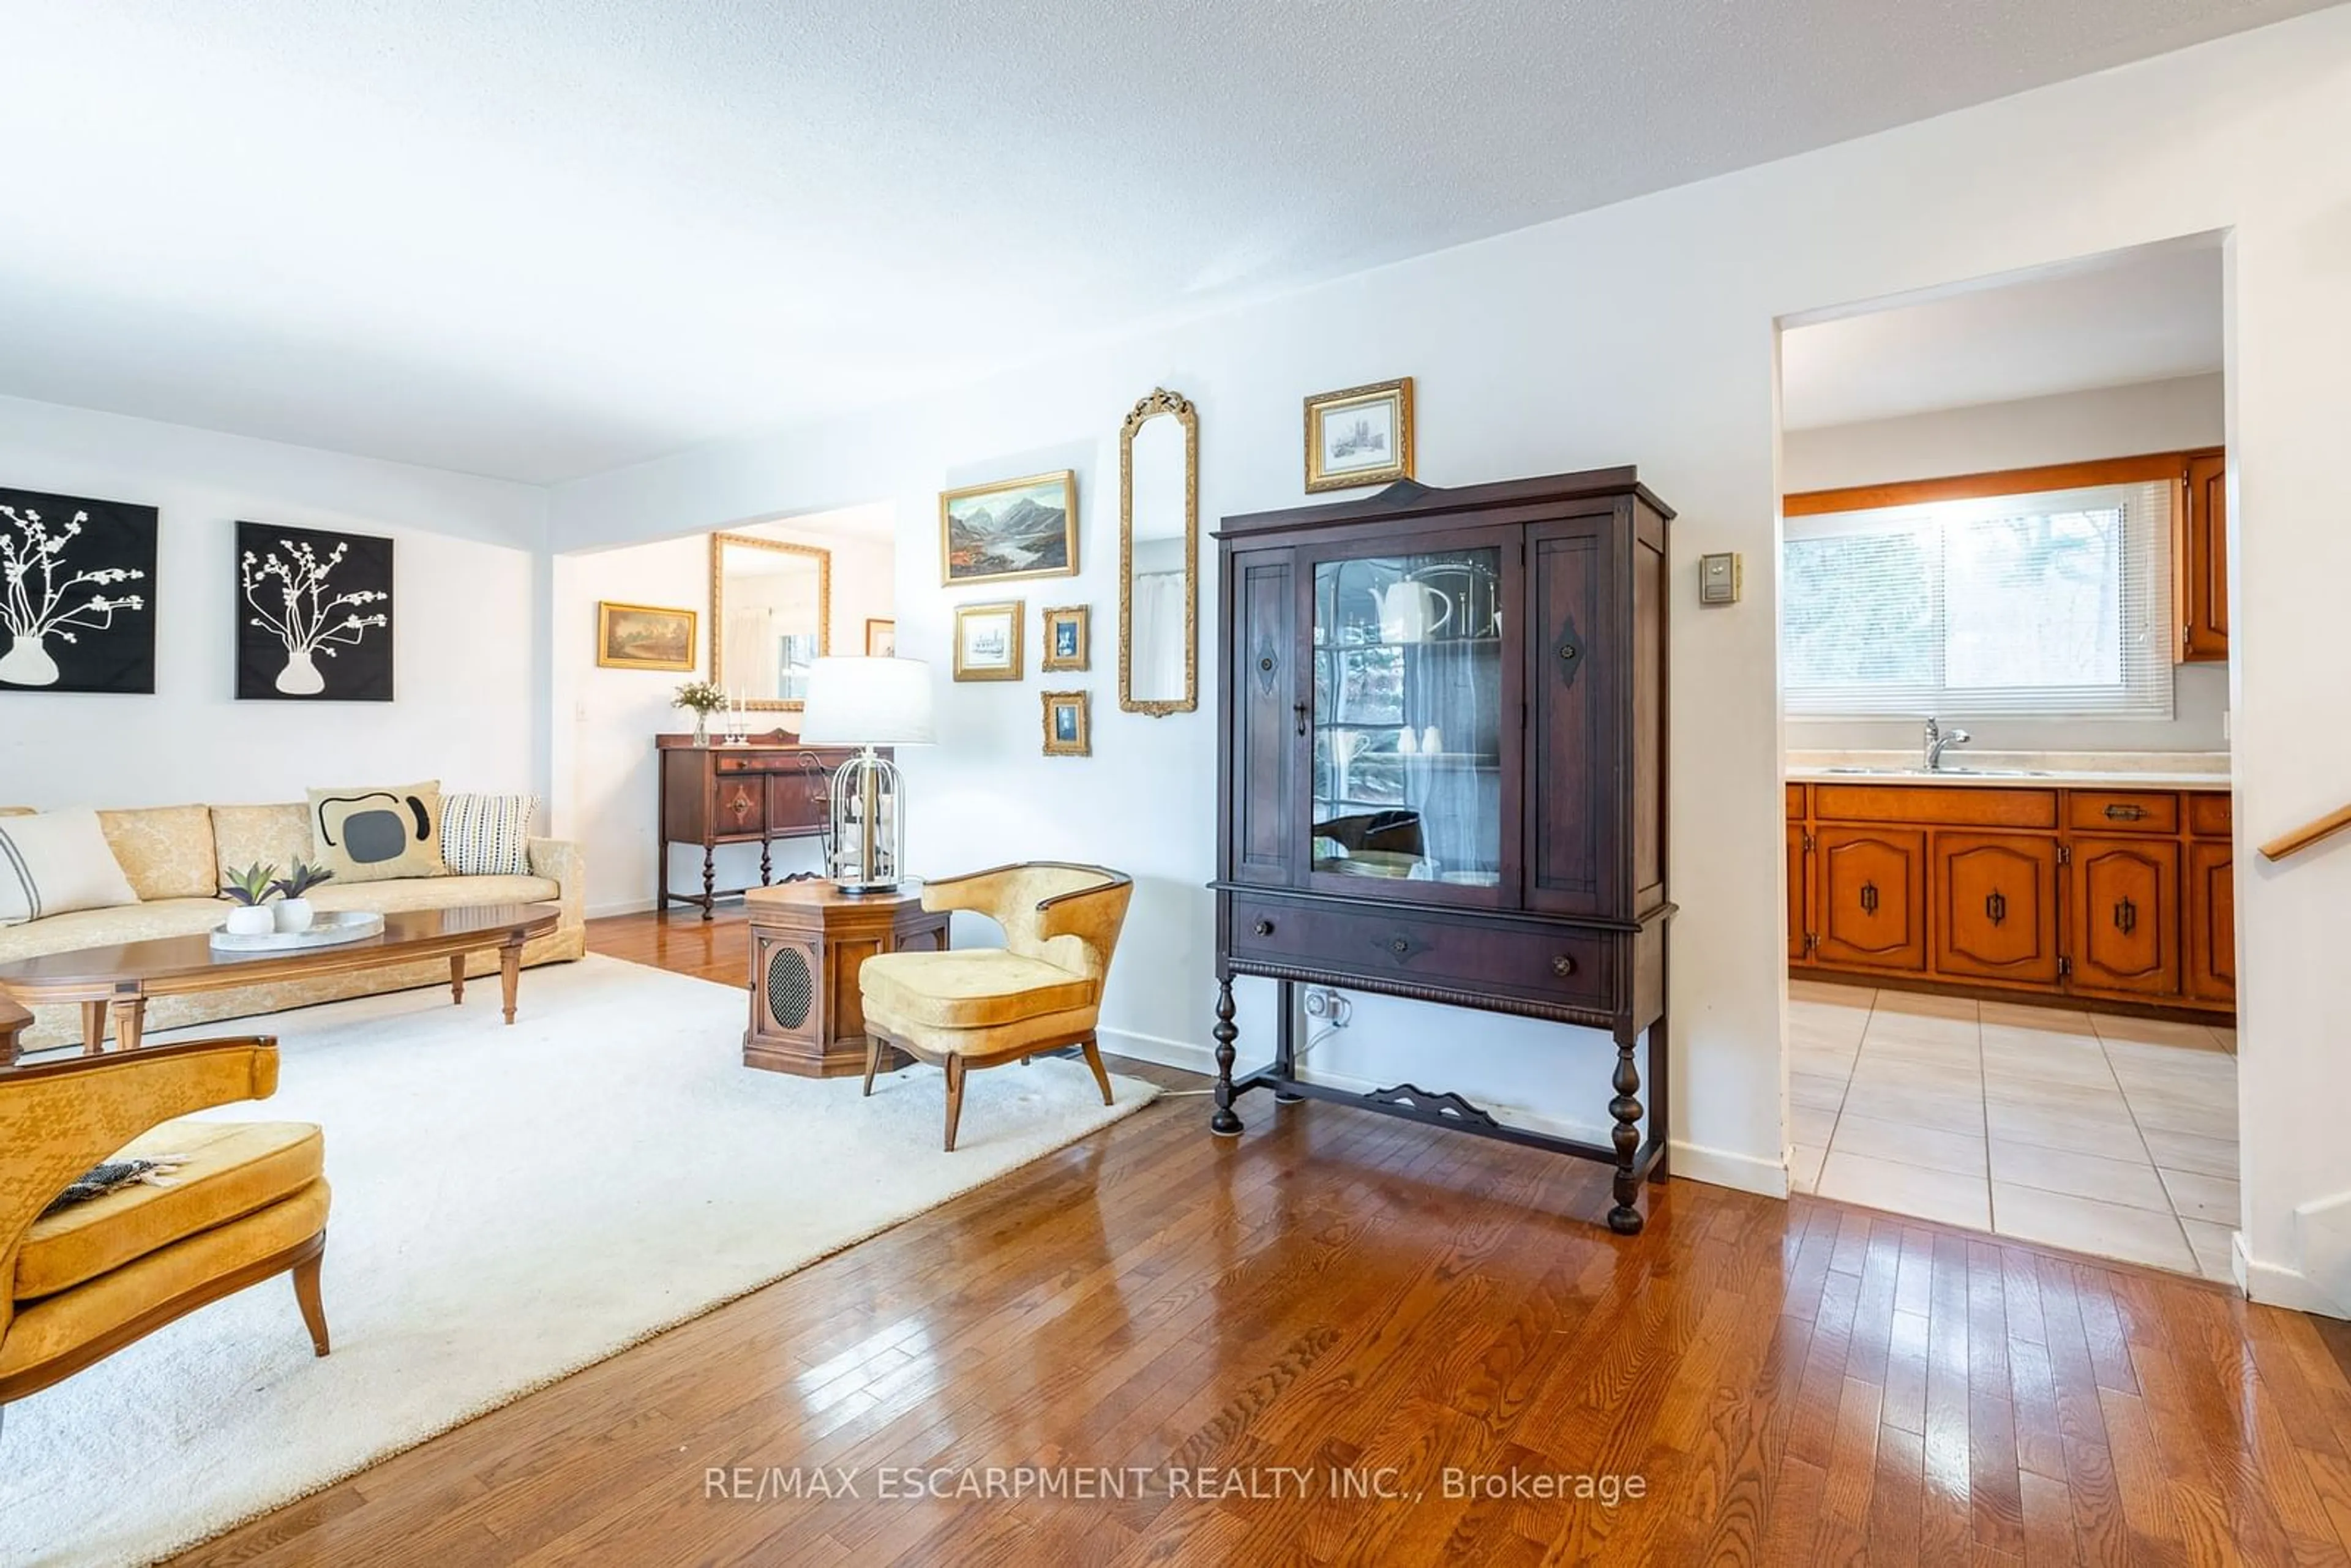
(487, 835)
(54, 864)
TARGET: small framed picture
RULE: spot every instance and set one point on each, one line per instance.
(1069, 725)
(1068, 643)
(1013, 527)
(644, 637)
(1359, 435)
(988, 640)
(881, 638)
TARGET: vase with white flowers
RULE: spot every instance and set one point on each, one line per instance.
(294, 913)
(249, 891)
(700, 698)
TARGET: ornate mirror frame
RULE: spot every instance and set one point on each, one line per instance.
(1159, 404)
(719, 546)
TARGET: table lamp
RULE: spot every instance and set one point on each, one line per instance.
(868, 703)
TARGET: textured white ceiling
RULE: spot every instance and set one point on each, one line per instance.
(539, 238)
(2139, 316)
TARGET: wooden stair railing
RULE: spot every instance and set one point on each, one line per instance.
(2309, 833)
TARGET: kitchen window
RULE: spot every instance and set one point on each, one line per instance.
(2051, 605)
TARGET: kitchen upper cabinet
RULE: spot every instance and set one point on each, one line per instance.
(1870, 897)
(1995, 906)
(2125, 917)
(2212, 924)
(2200, 566)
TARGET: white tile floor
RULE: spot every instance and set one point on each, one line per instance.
(2109, 1135)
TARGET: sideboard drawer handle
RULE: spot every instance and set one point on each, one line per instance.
(1264, 929)
(1563, 966)
(2124, 813)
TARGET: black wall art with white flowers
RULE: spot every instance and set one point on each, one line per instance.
(314, 615)
(77, 594)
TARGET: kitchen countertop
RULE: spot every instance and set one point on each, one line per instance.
(2095, 769)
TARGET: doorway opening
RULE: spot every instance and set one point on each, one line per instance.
(2004, 665)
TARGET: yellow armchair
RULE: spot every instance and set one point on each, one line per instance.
(250, 1202)
(978, 1006)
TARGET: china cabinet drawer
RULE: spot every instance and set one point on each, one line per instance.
(2122, 811)
(2208, 815)
(1562, 964)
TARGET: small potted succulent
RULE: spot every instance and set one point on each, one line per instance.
(700, 698)
(249, 891)
(294, 913)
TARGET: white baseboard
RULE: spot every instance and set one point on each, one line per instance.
(2275, 1285)
(1724, 1167)
(1180, 1054)
(620, 906)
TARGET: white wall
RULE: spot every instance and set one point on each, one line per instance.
(467, 647)
(2110, 421)
(1646, 333)
(605, 720)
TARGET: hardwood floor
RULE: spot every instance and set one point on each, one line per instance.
(1337, 1295)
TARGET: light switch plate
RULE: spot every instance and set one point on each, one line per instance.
(1718, 578)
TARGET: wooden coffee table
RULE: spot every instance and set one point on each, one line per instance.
(121, 978)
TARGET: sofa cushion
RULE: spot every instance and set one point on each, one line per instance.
(376, 832)
(972, 988)
(105, 927)
(166, 851)
(57, 863)
(260, 835)
(232, 1169)
(435, 893)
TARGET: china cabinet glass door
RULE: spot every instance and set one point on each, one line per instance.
(1412, 793)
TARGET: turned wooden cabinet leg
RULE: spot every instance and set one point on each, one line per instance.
(709, 880)
(1624, 1219)
(457, 980)
(766, 865)
(1223, 1121)
(1285, 1042)
(955, 1098)
(306, 1295)
(1101, 1073)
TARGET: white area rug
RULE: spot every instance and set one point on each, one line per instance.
(510, 1205)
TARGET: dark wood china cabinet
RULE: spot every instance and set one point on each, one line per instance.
(1443, 776)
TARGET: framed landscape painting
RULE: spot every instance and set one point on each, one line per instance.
(1359, 435)
(1012, 528)
(77, 594)
(644, 637)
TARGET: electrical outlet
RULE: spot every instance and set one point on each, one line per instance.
(1328, 1006)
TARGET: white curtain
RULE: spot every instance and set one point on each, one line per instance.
(1158, 661)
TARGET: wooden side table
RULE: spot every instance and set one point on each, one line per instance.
(808, 941)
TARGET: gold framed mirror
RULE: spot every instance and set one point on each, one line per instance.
(1159, 557)
(770, 618)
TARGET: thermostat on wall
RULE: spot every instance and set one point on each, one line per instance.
(1718, 579)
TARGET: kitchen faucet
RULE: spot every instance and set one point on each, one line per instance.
(1937, 738)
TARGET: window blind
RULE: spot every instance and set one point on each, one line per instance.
(2052, 605)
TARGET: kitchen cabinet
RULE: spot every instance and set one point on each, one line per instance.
(1872, 907)
(2113, 897)
(2200, 562)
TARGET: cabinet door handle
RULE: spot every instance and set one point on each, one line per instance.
(1869, 898)
(2125, 917)
(1299, 709)
(2120, 813)
(1995, 907)
(1400, 946)
(1567, 651)
(1563, 966)
(1263, 928)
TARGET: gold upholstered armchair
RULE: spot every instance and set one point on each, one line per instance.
(249, 1202)
(978, 1006)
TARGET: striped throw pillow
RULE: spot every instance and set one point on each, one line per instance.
(56, 863)
(487, 835)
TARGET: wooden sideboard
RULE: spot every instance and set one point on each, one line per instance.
(771, 788)
(2119, 899)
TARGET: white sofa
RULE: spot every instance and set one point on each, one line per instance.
(176, 857)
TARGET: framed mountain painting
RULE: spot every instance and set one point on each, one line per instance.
(77, 594)
(314, 615)
(1013, 527)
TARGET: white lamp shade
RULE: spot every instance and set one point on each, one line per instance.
(868, 702)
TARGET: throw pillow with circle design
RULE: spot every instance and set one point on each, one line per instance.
(378, 834)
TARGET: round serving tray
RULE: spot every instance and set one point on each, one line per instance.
(326, 930)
